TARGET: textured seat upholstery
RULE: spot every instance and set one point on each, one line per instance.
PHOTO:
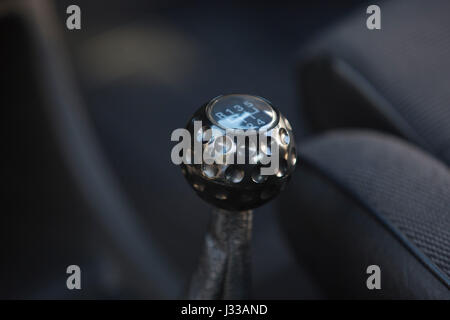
(395, 79)
(382, 196)
(365, 198)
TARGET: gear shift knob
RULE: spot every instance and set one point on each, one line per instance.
(242, 155)
(239, 127)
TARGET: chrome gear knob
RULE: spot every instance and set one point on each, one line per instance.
(242, 153)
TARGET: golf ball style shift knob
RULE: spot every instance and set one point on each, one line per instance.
(233, 178)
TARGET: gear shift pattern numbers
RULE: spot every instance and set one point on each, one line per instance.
(243, 112)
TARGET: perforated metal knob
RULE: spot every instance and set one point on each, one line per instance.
(236, 136)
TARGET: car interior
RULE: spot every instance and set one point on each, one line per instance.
(87, 117)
